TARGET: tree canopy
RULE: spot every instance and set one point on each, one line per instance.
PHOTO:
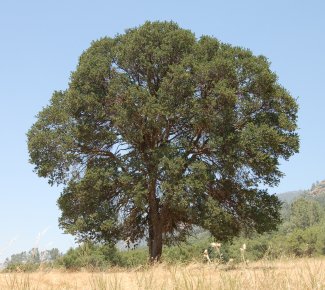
(159, 131)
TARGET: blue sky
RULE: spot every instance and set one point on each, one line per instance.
(40, 45)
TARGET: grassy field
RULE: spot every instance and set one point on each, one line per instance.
(292, 274)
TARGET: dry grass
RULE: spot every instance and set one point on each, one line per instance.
(292, 274)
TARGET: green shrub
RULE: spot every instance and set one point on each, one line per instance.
(22, 267)
(91, 257)
(134, 258)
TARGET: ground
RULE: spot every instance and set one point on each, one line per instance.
(280, 274)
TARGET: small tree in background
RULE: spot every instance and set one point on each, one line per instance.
(159, 131)
(305, 213)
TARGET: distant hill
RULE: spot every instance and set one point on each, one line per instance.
(318, 188)
(317, 191)
(291, 195)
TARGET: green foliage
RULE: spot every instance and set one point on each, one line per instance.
(32, 260)
(256, 247)
(158, 132)
(308, 242)
(91, 257)
(305, 213)
(22, 267)
(185, 252)
(134, 258)
(302, 232)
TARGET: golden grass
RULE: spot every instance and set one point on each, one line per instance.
(292, 274)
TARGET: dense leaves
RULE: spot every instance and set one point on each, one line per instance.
(159, 131)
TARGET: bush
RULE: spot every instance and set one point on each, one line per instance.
(185, 252)
(92, 257)
(134, 258)
(308, 242)
(22, 267)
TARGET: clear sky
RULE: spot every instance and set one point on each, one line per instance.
(40, 42)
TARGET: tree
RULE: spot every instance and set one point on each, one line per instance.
(159, 131)
(305, 213)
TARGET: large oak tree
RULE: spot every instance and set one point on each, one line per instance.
(158, 132)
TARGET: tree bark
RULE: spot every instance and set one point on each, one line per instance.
(155, 225)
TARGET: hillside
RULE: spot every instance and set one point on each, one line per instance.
(318, 188)
(317, 191)
(291, 195)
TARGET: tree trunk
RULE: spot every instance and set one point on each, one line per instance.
(155, 225)
(155, 244)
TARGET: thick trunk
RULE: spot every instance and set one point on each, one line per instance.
(155, 245)
(155, 225)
